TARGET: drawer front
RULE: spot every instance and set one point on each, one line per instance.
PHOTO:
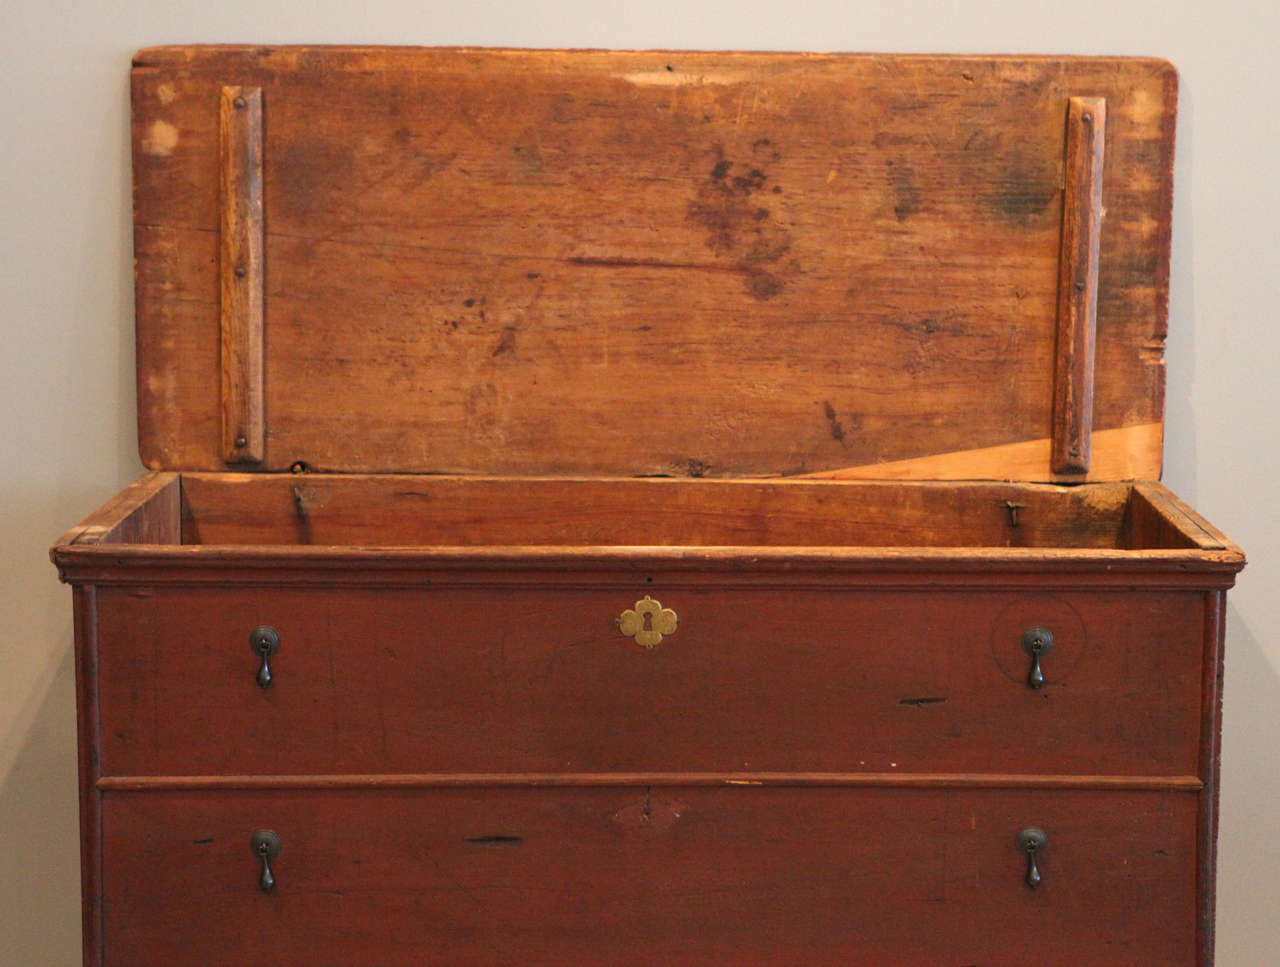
(674, 876)
(752, 680)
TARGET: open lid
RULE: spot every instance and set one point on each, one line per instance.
(720, 264)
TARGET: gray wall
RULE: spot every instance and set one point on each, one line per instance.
(66, 374)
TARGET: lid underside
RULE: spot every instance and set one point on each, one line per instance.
(708, 264)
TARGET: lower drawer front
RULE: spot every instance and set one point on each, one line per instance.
(645, 876)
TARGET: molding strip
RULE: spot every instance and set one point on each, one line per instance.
(608, 779)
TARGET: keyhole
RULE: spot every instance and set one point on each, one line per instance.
(648, 621)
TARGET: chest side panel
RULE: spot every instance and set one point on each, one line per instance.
(647, 263)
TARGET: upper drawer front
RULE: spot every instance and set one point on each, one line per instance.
(526, 680)
(683, 877)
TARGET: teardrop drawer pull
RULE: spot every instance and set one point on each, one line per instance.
(266, 845)
(1037, 642)
(1032, 842)
(264, 641)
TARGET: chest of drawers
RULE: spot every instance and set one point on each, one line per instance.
(648, 508)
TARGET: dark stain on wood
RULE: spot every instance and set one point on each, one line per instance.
(762, 285)
(766, 145)
(907, 198)
(737, 225)
(695, 467)
(718, 207)
(426, 165)
(837, 428)
(1025, 195)
(506, 342)
(312, 175)
(302, 515)
(529, 157)
(497, 841)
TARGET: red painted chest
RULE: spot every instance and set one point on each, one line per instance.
(647, 508)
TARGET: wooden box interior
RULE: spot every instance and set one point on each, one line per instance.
(395, 510)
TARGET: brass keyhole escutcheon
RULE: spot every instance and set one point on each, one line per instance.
(648, 622)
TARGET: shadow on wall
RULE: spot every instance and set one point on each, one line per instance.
(1248, 848)
(39, 795)
(40, 831)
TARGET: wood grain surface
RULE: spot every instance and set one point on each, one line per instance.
(691, 264)
(401, 510)
(344, 511)
(629, 877)
(148, 511)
